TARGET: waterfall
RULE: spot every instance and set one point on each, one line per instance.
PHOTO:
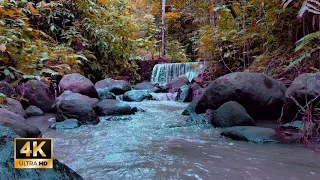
(164, 73)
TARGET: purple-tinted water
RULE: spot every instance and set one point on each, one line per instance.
(154, 145)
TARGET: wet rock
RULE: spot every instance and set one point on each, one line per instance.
(78, 84)
(195, 86)
(7, 170)
(261, 95)
(112, 107)
(15, 106)
(250, 133)
(70, 95)
(18, 124)
(6, 89)
(184, 94)
(231, 114)
(164, 96)
(104, 93)
(136, 95)
(198, 119)
(147, 86)
(137, 109)
(118, 118)
(70, 108)
(174, 85)
(304, 88)
(34, 111)
(66, 124)
(37, 93)
(117, 87)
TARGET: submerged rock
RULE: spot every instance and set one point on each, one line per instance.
(198, 119)
(136, 95)
(15, 106)
(7, 170)
(261, 95)
(250, 133)
(117, 87)
(184, 94)
(118, 118)
(34, 111)
(18, 124)
(112, 107)
(66, 124)
(7, 89)
(76, 109)
(231, 114)
(104, 93)
(37, 93)
(77, 83)
(164, 96)
(304, 88)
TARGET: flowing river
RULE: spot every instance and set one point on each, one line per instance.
(157, 145)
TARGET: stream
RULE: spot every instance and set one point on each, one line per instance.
(157, 145)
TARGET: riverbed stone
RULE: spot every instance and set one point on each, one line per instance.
(18, 124)
(7, 89)
(198, 119)
(136, 95)
(34, 111)
(66, 124)
(7, 170)
(37, 93)
(70, 95)
(147, 86)
(184, 94)
(175, 84)
(231, 114)
(117, 87)
(304, 88)
(104, 93)
(77, 83)
(112, 107)
(70, 108)
(250, 133)
(164, 96)
(15, 106)
(261, 95)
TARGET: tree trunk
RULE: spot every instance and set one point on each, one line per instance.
(163, 30)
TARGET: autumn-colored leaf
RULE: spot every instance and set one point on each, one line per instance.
(32, 9)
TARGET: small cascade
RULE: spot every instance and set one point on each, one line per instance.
(164, 73)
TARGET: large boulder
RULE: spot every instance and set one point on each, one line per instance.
(7, 170)
(34, 111)
(231, 114)
(104, 93)
(304, 88)
(78, 84)
(70, 95)
(18, 124)
(117, 87)
(136, 95)
(15, 106)
(37, 93)
(261, 95)
(147, 86)
(175, 84)
(250, 133)
(6, 89)
(184, 94)
(70, 108)
(112, 107)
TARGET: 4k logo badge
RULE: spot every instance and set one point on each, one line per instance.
(33, 153)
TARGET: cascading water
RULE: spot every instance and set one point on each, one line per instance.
(164, 73)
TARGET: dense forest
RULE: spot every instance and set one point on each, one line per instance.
(102, 38)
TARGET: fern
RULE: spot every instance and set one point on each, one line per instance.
(306, 40)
